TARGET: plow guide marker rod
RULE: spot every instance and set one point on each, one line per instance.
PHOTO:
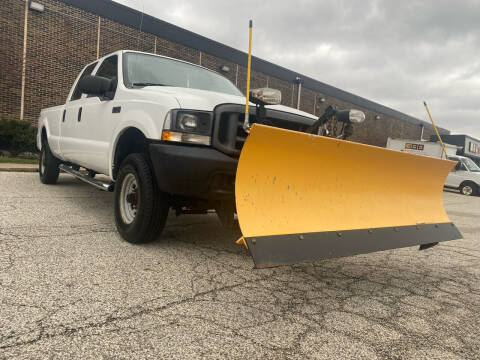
(306, 197)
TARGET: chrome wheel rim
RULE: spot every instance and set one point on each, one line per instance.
(129, 199)
(467, 190)
(42, 162)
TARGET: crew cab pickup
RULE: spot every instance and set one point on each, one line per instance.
(165, 134)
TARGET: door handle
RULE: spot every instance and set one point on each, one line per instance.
(63, 116)
(79, 114)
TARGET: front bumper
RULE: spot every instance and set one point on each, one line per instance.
(193, 171)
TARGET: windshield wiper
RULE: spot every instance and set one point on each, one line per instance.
(147, 84)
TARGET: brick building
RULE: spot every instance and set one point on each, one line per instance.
(67, 34)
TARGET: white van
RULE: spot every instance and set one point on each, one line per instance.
(465, 176)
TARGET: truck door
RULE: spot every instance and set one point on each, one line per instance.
(69, 120)
(457, 175)
(96, 125)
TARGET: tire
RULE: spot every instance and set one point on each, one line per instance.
(141, 210)
(48, 165)
(468, 189)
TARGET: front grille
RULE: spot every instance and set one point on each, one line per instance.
(228, 133)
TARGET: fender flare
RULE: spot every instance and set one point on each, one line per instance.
(147, 118)
(117, 135)
(43, 124)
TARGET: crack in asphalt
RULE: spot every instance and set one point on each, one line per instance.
(195, 294)
(288, 309)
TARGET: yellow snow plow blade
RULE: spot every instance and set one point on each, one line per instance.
(302, 197)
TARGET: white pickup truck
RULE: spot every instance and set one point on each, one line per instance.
(164, 132)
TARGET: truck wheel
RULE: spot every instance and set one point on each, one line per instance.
(48, 165)
(140, 208)
(468, 189)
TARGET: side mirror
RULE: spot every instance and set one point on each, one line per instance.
(95, 85)
(266, 96)
(459, 166)
(351, 116)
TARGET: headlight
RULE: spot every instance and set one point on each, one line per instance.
(187, 122)
(356, 116)
(350, 116)
(188, 126)
(267, 96)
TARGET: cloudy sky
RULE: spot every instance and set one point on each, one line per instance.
(397, 53)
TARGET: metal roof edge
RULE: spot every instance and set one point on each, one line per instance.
(132, 18)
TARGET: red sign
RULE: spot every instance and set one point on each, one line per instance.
(412, 146)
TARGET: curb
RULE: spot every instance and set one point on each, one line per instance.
(15, 169)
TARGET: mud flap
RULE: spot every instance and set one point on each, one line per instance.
(302, 197)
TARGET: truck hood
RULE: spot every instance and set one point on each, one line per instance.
(196, 99)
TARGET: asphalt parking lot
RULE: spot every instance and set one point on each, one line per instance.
(71, 288)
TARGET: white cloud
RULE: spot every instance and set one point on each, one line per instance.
(397, 53)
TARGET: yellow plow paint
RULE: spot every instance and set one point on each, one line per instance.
(305, 197)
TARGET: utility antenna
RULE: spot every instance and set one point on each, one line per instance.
(141, 24)
(246, 121)
(436, 130)
(135, 58)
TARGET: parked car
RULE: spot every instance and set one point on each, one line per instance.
(465, 176)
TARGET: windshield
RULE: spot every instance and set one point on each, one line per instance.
(470, 165)
(151, 70)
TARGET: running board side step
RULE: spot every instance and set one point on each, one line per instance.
(99, 184)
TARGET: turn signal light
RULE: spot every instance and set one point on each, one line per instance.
(185, 137)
